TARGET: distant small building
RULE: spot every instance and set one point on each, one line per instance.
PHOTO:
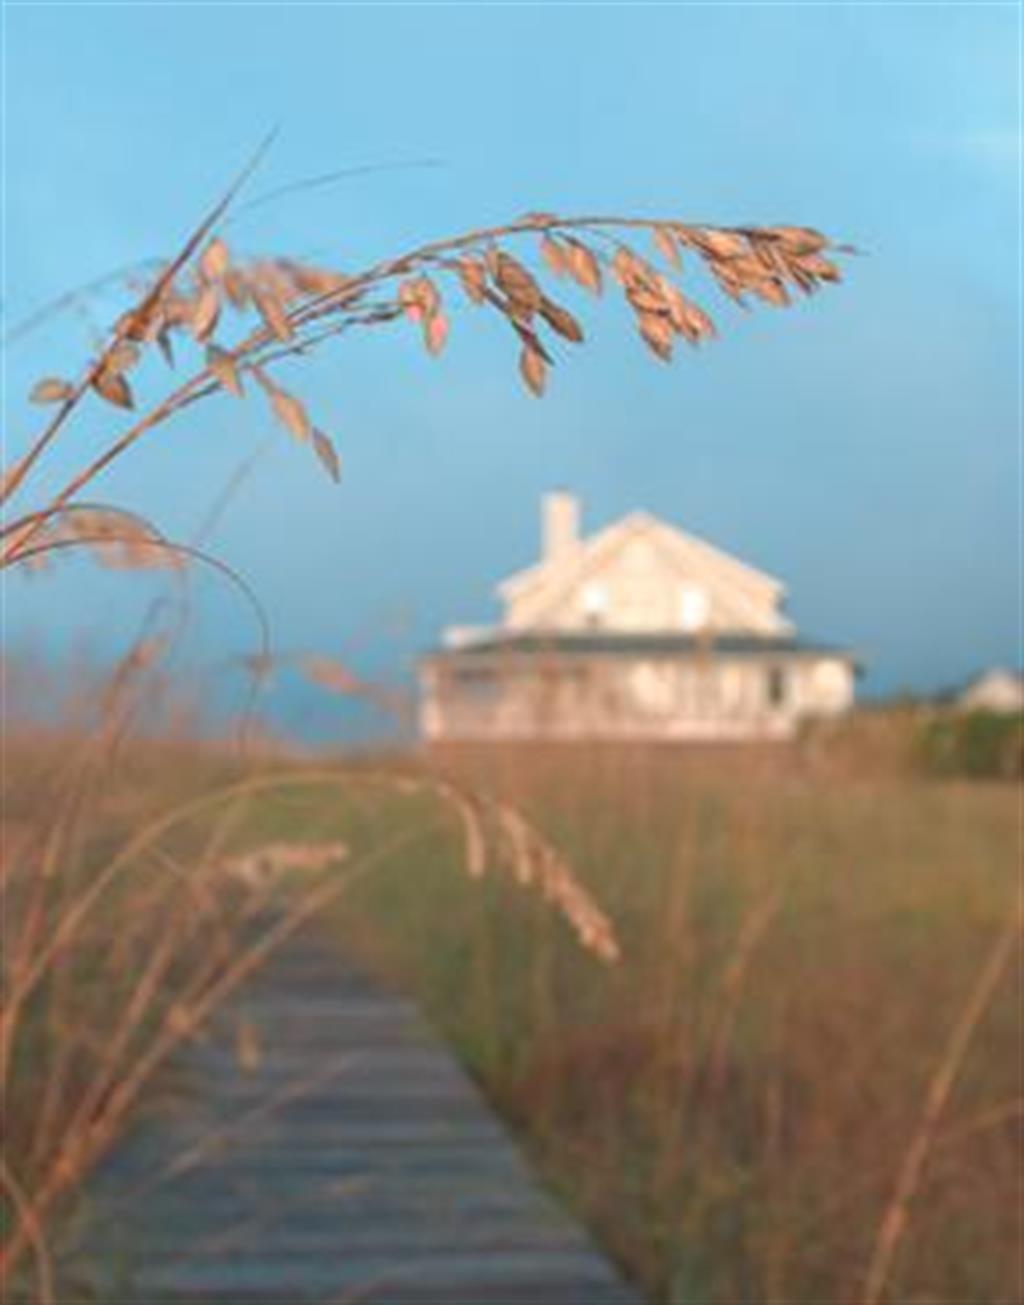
(996, 690)
(640, 632)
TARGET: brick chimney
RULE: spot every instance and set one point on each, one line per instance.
(560, 525)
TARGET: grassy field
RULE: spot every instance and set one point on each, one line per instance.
(730, 1105)
(734, 1106)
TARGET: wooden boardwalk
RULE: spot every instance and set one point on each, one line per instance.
(353, 1161)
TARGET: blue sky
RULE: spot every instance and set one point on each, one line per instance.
(863, 447)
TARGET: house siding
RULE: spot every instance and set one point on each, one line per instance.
(633, 696)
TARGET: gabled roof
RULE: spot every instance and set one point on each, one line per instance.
(592, 552)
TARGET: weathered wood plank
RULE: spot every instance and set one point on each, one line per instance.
(353, 1161)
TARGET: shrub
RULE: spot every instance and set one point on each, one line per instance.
(974, 744)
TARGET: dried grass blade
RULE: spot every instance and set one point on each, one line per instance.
(327, 453)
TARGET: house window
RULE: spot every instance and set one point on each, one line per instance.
(477, 683)
(776, 686)
(693, 607)
(595, 604)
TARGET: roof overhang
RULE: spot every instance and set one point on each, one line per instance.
(588, 646)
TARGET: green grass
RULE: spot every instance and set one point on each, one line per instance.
(978, 744)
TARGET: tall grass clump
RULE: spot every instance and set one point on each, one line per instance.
(143, 884)
(802, 1082)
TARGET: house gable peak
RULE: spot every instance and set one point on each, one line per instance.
(584, 552)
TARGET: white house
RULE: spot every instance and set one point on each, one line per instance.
(996, 690)
(640, 631)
